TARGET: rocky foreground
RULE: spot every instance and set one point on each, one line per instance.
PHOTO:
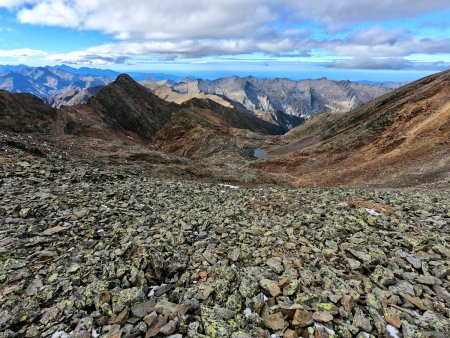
(87, 252)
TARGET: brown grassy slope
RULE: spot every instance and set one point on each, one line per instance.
(25, 113)
(399, 139)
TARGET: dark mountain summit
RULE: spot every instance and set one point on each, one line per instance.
(126, 105)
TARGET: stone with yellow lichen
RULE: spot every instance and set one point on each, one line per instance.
(328, 307)
(213, 325)
(128, 297)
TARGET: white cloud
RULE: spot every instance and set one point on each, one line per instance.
(156, 19)
(52, 13)
(22, 55)
(16, 3)
(373, 48)
(176, 49)
(373, 63)
(379, 42)
(197, 28)
(23, 52)
(337, 14)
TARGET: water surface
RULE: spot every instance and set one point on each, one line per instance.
(260, 154)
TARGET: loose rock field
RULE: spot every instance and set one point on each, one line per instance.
(90, 252)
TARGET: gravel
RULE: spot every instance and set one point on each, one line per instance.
(88, 251)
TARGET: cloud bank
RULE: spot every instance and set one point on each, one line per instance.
(200, 28)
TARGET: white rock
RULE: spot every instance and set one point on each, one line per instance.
(60, 334)
(393, 331)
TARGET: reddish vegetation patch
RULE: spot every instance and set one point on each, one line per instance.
(5, 160)
(378, 207)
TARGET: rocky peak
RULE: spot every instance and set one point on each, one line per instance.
(125, 79)
(125, 105)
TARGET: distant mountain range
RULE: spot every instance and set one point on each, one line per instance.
(388, 85)
(45, 82)
(55, 84)
(125, 110)
(266, 97)
(281, 101)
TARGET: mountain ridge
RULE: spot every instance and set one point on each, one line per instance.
(125, 109)
(386, 141)
(267, 96)
(46, 82)
(281, 101)
(390, 138)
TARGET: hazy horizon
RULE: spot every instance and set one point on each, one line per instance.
(336, 75)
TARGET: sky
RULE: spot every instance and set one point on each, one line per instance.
(382, 40)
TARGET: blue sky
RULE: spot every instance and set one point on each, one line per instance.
(383, 40)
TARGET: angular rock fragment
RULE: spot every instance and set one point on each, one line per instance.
(383, 276)
(275, 321)
(302, 318)
(270, 287)
(322, 316)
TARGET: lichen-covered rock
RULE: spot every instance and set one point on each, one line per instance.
(214, 325)
(275, 264)
(361, 321)
(107, 252)
(383, 276)
(270, 286)
(128, 297)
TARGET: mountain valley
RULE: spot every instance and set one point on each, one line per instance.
(389, 138)
(224, 169)
(127, 215)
